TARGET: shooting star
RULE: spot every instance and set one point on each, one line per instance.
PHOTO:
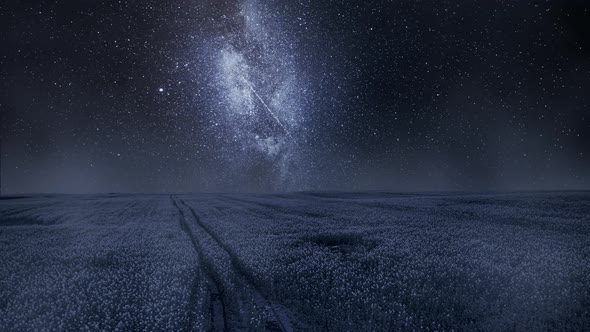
(268, 109)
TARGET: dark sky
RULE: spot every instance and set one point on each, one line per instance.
(253, 95)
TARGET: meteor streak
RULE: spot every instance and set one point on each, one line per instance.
(268, 108)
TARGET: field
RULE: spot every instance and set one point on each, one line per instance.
(298, 261)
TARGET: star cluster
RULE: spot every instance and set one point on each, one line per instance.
(256, 95)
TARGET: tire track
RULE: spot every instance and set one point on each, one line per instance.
(216, 303)
(278, 320)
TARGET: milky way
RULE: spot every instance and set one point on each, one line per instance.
(275, 95)
(260, 92)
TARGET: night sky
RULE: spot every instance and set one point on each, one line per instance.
(281, 95)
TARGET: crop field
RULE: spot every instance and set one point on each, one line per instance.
(309, 261)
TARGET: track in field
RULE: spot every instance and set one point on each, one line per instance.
(217, 307)
(275, 320)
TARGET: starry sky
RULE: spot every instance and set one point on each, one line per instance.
(281, 95)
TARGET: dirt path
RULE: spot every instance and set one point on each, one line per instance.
(217, 307)
(275, 317)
